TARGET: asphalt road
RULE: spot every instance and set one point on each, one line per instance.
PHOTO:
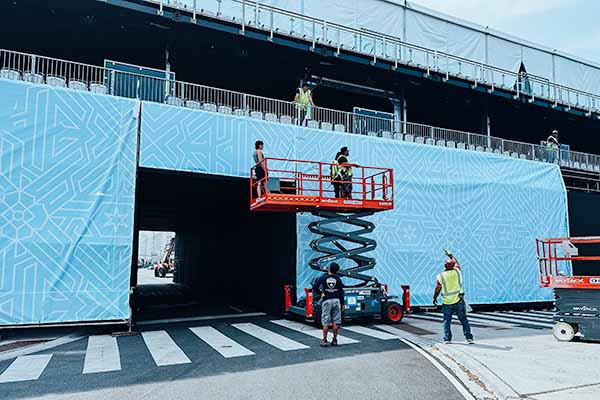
(247, 367)
(258, 357)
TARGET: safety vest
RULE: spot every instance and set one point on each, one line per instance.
(337, 169)
(303, 99)
(550, 144)
(451, 281)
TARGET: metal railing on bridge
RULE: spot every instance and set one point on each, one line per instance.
(378, 46)
(77, 76)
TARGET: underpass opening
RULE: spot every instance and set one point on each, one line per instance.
(227, 259)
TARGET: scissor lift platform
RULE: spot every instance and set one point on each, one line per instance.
(303, 186)
(307, 186)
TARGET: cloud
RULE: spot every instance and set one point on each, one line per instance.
(488, 12)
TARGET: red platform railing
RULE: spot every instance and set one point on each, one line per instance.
(554, 257)
(299, 185)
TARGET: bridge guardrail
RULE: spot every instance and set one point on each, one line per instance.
(78, 76)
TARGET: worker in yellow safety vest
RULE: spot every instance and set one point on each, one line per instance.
(304, 103)
(552, 147)
(449, 284)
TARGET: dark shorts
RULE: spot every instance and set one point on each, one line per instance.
(331, 312)
(260, 173)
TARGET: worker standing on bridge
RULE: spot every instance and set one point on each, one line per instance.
(552, 147)
(332, 301)
(449, 283)
(304, 103)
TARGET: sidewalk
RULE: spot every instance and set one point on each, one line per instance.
(535, 367)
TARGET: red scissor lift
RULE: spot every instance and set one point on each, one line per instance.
(577, 298)
(307, 186)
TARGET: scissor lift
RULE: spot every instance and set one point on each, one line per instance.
(306, 186)
(577, 298)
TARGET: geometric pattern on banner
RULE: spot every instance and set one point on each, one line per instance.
(67, 188)
(488, 209)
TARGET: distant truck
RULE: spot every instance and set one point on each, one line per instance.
(167, 263)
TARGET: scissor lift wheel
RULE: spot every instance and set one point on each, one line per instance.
(393, 313)
(564, 332)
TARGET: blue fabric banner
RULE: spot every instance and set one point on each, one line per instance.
(67, 186)
(488, 209)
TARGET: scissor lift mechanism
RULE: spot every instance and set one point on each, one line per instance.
(305, 186)
(577, 298)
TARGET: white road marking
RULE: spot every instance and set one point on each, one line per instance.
(540, 318)
(102, 355)
(9, 355)
(309, 330)
(370, 332)
(440, 317)
(399, 333)
(25, 368)
(270, 337)
(163, 349)
(227, 347)
(512, 320)
(548, 313)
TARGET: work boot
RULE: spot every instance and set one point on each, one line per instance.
(334, 342)
(470, 341)
(324, 343)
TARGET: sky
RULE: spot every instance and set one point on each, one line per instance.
(571, 26)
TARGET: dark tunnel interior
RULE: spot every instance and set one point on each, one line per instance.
(584, 220)
(225, 255)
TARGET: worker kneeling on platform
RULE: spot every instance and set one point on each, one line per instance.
(331, 289)
(449, 283)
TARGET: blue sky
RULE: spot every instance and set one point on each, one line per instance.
(572, 26)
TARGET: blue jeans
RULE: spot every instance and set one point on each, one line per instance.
(459, 309)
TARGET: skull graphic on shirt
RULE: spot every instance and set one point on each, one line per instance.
(331, 282)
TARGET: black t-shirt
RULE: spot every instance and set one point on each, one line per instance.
(331, 286)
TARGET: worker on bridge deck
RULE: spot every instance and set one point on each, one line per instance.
(304, 103)
(449, 284)
(552, 147)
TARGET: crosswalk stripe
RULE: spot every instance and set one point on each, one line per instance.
(542, 312)
(538, 318)
(25, 368)
(516, 318)
(310, 331)
(102, 355)
(546, 313)
(270, 337)
(469, 316)
(370, 332)
(511, 320)
(227, 347)
(393, 330)
(163, 349)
